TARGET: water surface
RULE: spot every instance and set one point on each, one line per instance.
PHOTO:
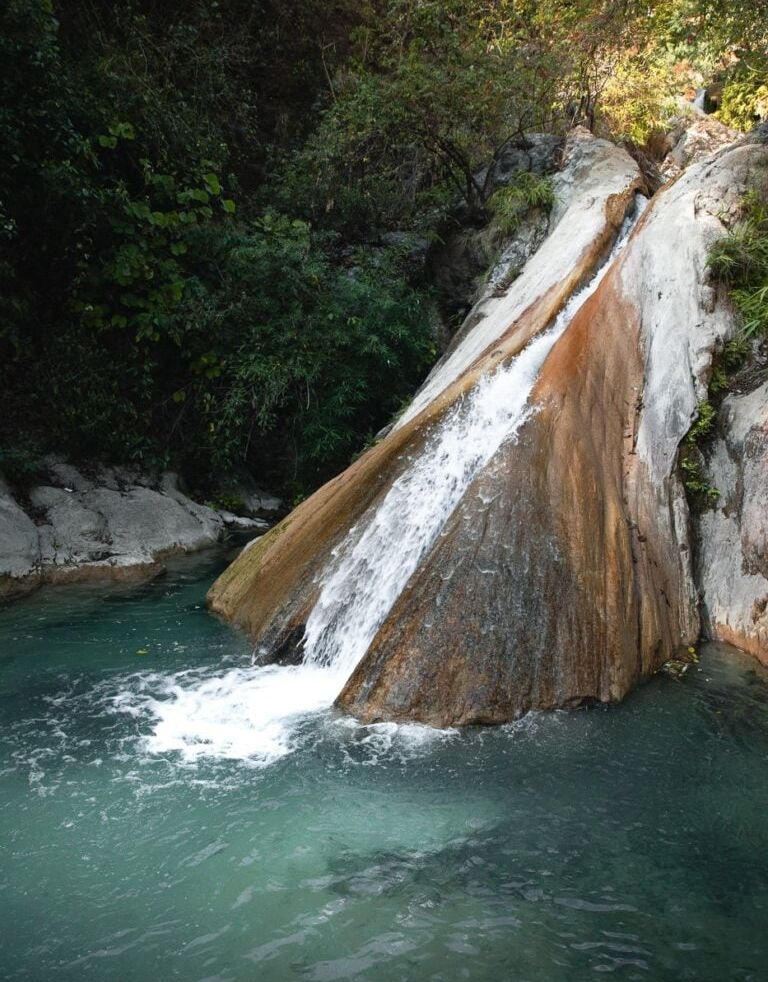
(630, 841)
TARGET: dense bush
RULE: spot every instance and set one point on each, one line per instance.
(510, 203)
(145, 314)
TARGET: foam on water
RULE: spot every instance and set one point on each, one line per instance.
(253, 713)
(245, 713)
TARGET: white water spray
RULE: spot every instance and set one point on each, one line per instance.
(253, 713)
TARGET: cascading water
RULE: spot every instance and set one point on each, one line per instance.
(254, 712)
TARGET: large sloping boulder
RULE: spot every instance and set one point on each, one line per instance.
(271, 588)
(563, 571)
(565, 574)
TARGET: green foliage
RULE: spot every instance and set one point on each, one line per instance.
(151, 311)
(706, 415)
(727, 363)
(310, 355)
(700, 492)
(435, 92)
(137, 277)
(20, 464)
(745, 92)
(510, 204)
(740, 260)
(640, 96)
(228, 502)
(734, 353)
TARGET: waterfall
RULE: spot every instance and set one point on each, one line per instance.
(378, 556)
(254, 712)
(372, 565)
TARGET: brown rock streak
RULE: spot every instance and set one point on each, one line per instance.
(270, 588)
(544, 589)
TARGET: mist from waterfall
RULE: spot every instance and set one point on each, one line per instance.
(254, 711)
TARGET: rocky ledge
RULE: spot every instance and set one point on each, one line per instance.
(108, 524)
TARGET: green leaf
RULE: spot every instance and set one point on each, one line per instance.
(228, 205)
(176, 288)
(212, 183)
(139, 209)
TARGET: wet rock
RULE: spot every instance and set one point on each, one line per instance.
(271, 587)
(64, 475)
(262, 504)
(565, 573)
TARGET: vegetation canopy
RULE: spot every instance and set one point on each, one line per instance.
(214, 216)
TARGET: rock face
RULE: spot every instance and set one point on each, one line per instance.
(19, 547)
(116, 525)
(733, 536)
(592, 192)
(565, 572)
(694, 137)
(573, 544)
